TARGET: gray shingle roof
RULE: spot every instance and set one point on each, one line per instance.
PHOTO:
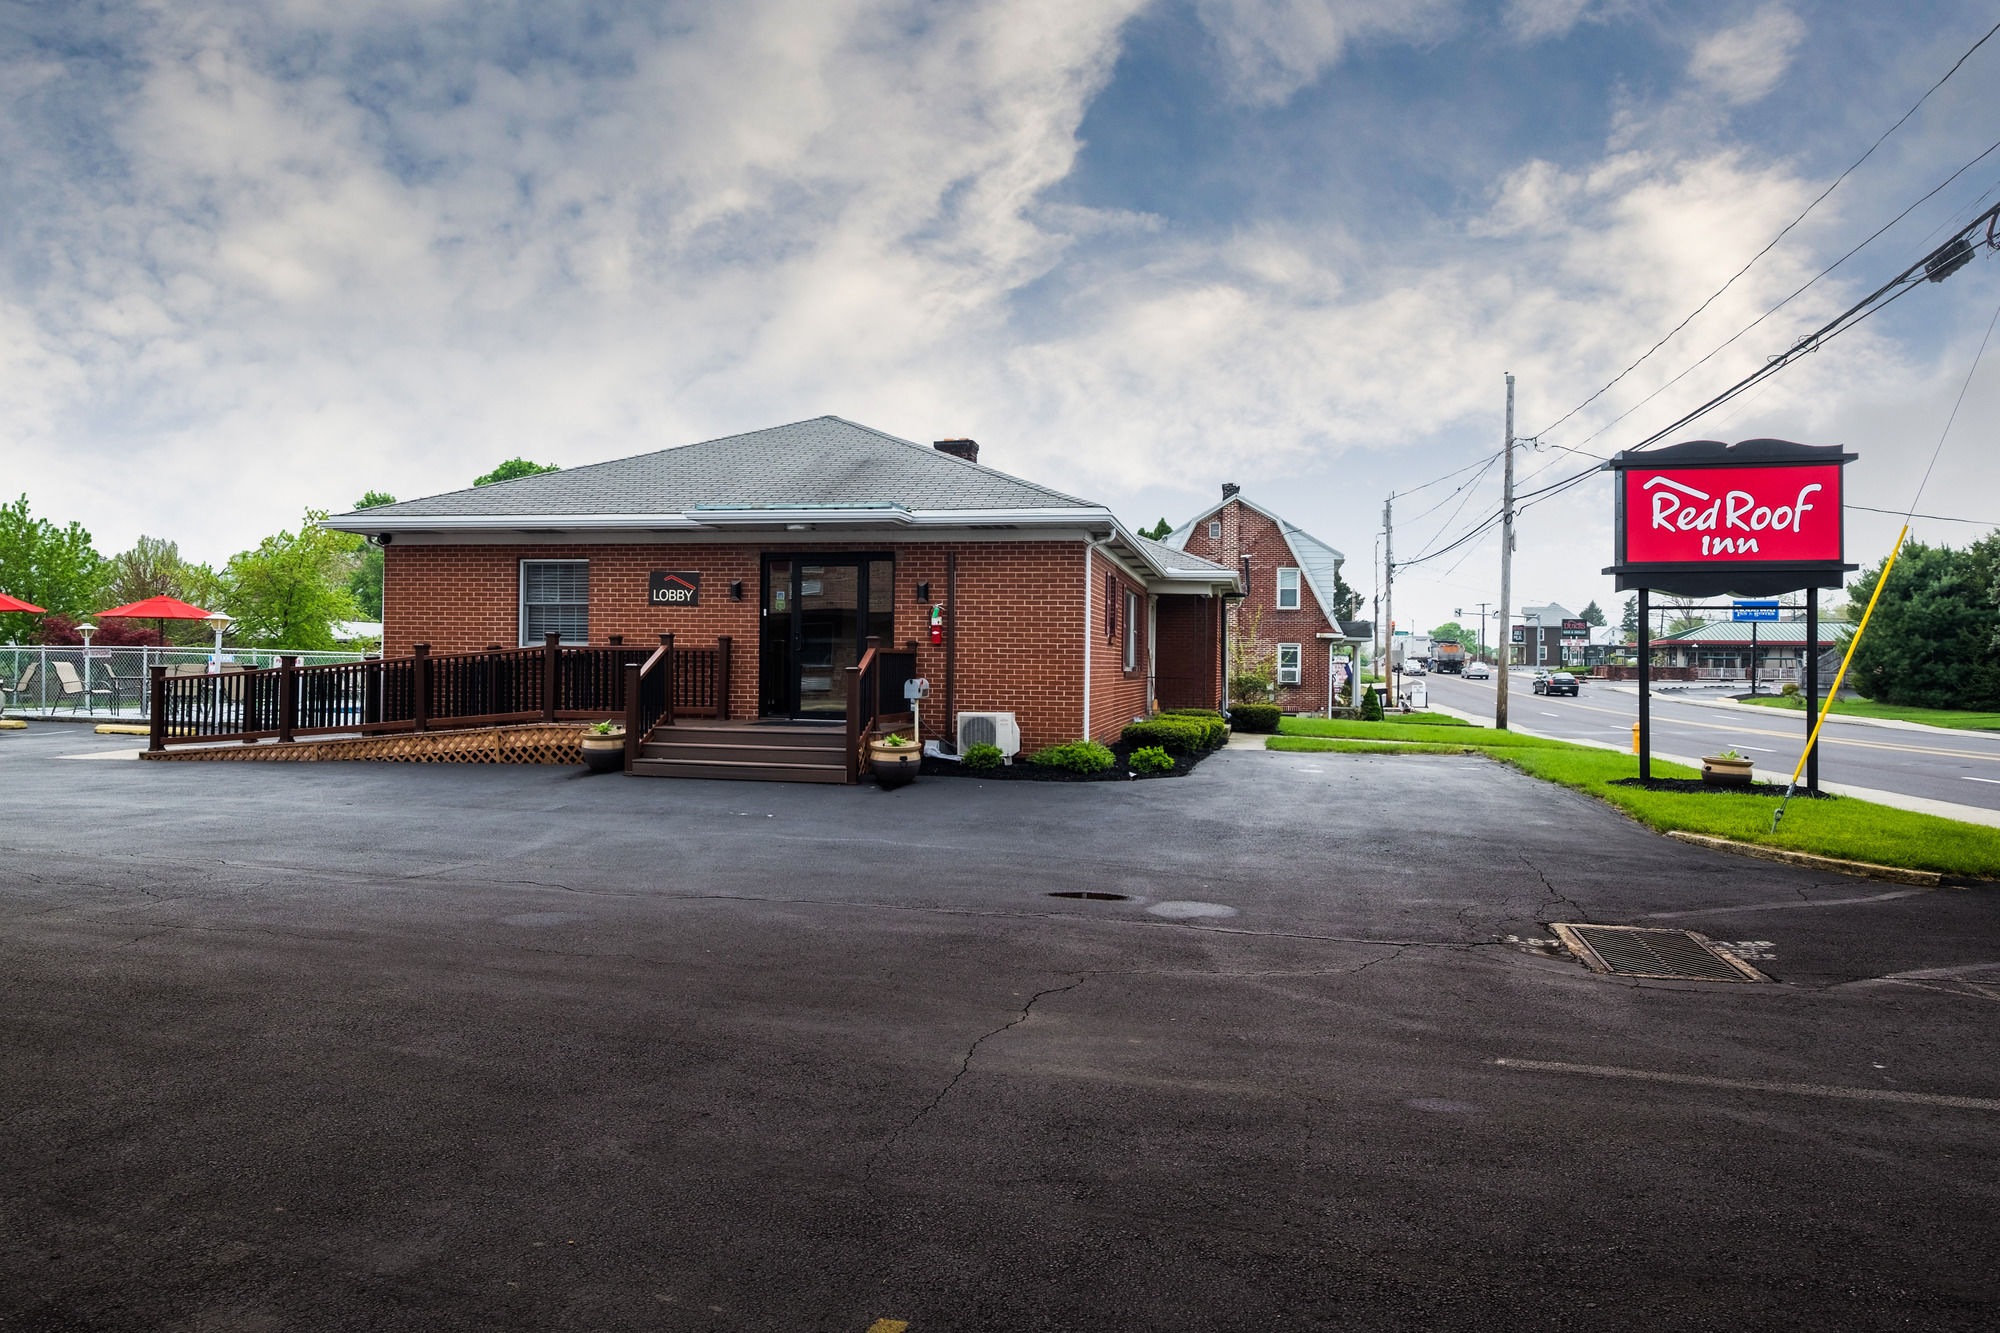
(1738, 631)
(1320, 562)
(824, 461)
(1176, 561)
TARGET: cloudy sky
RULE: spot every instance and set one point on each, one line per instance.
(269, 255)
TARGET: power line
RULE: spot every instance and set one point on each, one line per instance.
(1781, 235)
(1728, 342)
(1941, 518)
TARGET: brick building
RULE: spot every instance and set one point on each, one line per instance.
(1288, 579)
(801, 543)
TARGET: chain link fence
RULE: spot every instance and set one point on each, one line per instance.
(40, 681)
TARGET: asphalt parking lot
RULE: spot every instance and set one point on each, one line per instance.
(357, 1046)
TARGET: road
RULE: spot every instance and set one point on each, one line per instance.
(1960, 767)
(396, 1047)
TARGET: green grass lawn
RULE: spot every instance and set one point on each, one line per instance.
(1931, 717)
(1300, 729)
(1843, 827)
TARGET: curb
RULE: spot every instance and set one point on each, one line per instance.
(1867, 869)
(122, 729)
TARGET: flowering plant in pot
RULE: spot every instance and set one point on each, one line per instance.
(604, 746)
(894, 759)
(1728, 769)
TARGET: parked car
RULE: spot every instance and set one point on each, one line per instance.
(1555, 682)
(1478, 671)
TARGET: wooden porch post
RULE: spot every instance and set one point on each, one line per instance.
(722, 677)
(633, 715)
(156, 738)
(551, 665)
(288, 697)
(420, 687)
(667, 665)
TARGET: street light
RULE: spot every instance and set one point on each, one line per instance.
(221, 621)
(86, 631)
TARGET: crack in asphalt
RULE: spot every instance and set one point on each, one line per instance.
(964, 1064)
(1554, 895)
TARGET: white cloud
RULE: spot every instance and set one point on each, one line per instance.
(1273, 48)
(1539, 20)
(1743, 63)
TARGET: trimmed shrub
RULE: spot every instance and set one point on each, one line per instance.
(1075, 757)
(1218, 725)
(1152, 759)
(980, 758)
(1190, 712)
(1371, 706)
(1254, 717)
(1789, 690)
(1182, 735)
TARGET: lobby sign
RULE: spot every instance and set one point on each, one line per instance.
(674, 587)
(1705, 518)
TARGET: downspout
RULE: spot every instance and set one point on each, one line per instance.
(1152, 653)
(1088, 634)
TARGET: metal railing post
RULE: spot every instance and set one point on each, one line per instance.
(420, 680)
(722, 678)
(551, 674)
(672, 681)
(288, 697)
(156, 736)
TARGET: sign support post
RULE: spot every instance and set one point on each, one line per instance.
(1753, 657)
(1812, 687)
(1645, 690)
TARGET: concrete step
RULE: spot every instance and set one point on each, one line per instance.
(711, 768)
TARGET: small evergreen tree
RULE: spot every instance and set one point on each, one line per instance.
(1592, 615)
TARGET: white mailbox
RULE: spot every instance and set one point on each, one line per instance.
(916, 687)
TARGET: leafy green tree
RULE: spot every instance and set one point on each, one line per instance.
(289, 591)
(1457, 633)
(1592, 615)
(1931, 641)
(365, 579)
(1346, 601)
(1158, 532)
(54, 568)
(512, 468)
(154, 568)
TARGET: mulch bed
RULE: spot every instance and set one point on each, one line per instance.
(1700, 788)
(1023, 771)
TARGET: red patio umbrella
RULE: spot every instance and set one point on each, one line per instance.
(159, 610)
(16, 604)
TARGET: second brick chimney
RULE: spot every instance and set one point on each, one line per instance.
(1229, 489)
(966, 449)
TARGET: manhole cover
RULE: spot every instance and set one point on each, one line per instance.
(1644, 951)
(1093, 897)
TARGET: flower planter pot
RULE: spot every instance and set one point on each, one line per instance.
(894, 765)
(604, 752)
(1725, 772)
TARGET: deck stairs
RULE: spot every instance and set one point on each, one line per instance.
(754, 751)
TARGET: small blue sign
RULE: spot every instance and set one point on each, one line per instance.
(1753, 611)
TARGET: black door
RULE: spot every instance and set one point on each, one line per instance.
(818, 612)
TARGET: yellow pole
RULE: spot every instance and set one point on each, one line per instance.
(1852, 644)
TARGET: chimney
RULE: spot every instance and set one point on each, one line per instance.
(1229, 489)
(966, 449)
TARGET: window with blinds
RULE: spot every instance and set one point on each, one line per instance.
(555, 599)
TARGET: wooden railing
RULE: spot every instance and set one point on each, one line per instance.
(549, 683)
(864, 702)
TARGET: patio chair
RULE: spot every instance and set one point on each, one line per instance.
(73, 690)
(23, 692)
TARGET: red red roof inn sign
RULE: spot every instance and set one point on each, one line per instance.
(1705, 518)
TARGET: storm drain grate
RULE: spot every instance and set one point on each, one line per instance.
(1643, 951)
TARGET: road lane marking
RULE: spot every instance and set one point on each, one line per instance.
(1969, 778)
(1788, 736)
(889, 1326)
(1551, 714)
(1760, 749)
(1760, 1085)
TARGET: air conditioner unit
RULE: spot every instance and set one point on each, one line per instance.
(989, 729)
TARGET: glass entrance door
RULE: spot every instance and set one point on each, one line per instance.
(817, 615)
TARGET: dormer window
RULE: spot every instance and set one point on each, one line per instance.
(1215, 529)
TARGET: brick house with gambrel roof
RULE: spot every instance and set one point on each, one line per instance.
(1290, 578)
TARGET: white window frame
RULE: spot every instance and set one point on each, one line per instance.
(1131, 630)
(1215, 529)
(521, 601)
(1295, 673)
(1298, 583)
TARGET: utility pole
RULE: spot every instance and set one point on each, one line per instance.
(1503, 632)
(1389, 593)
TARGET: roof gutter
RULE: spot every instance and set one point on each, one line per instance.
(715, 519)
